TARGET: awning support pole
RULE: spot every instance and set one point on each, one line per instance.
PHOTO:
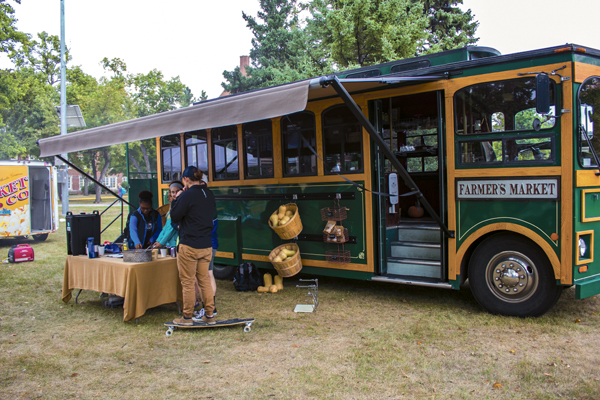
(76, 168)
(362, 119)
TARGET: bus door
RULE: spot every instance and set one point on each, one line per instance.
(412, 127)
(586, 266)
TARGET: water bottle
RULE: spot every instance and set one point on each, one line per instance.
(91, 248)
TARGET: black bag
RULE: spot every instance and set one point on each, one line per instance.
(247, 278)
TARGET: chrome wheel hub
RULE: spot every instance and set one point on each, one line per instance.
(511, 276)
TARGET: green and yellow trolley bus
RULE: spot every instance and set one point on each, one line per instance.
(465, 164)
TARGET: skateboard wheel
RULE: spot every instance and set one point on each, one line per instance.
(169, 332)
(247, 328)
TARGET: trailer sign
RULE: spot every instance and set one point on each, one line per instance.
(513, 189)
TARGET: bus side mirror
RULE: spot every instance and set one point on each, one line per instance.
(542, 94)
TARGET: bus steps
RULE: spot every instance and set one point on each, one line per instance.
(417, 252)
(415, 282)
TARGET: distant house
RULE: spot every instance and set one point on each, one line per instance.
(77, 181)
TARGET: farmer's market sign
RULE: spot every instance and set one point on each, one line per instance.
(507, 189)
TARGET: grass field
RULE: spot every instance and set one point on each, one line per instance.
(367, 341)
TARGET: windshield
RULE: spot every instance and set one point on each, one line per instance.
(589, 122)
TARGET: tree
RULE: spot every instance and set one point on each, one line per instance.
(9, 35)
(448, 27)
(366, 32)
(281, 50)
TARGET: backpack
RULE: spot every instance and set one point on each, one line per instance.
(247, 278)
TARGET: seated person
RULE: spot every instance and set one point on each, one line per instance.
(168, 236)
(145, 223)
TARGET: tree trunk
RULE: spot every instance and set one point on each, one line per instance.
(102, 175)
(85, 187)
(146, 159)
(95, 176)
(136, 165)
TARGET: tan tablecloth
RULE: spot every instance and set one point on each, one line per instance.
(143, 285)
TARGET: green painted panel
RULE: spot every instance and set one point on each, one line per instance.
(259, 239)
(542, 217)
(587, 287)
(229, 233)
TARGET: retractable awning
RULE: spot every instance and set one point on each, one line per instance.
(235, 109)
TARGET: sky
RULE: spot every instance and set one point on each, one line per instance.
(198, 39)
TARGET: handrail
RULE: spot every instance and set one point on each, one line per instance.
(118, 198)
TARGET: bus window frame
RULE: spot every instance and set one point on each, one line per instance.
(258, 137)
(213, 142)
(162, 158)
(555, 102)
(186, 146)
(282, 146)
(328, 169)
(580, 142)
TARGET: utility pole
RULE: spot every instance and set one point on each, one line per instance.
(63, 107)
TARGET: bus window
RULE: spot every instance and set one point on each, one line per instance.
(225, 153)
(342, 141)
(589, 122)
(170, 147)
(480, 151)
(501, 106)
(196, 150)
(537, 149)
(297, 157)
(258, 149)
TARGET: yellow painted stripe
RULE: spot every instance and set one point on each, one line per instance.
(225, 254)
(583, 217)
(584, 71)
(315, 263)
(505, 226)
(587, 178)
(566, 185)
(508, 172)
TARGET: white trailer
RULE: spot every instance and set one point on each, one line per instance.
(28, 199)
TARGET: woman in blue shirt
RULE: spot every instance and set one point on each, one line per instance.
(168, 236)
(145, 224)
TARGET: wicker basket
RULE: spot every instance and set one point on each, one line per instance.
(292, 228)
(137, 256)
(334, 214)
(290, 266)
(338, 256)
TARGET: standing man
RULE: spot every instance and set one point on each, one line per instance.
(194, 209)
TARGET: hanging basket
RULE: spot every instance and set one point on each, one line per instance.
(338, 256)
(293, 226)
(334, 213)
(291, 265)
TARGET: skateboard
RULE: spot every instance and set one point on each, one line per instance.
(225, 322)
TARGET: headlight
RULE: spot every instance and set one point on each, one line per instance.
(582, 247)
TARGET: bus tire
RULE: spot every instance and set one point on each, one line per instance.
(510, 275)
(40, 238)
(224, 272)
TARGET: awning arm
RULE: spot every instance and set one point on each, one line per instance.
(389, 80)
(76, 168)
(341, 91)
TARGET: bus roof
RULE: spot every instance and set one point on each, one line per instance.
(285, 99)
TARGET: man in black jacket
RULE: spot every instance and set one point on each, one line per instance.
(193, 209)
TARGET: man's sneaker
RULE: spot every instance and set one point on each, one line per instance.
(209, 320)
(182, 321)
(199, 314)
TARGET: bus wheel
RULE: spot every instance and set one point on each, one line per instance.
(509, 275)
(40, 238)
(224, 272)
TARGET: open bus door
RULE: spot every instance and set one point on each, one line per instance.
(412, 248)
